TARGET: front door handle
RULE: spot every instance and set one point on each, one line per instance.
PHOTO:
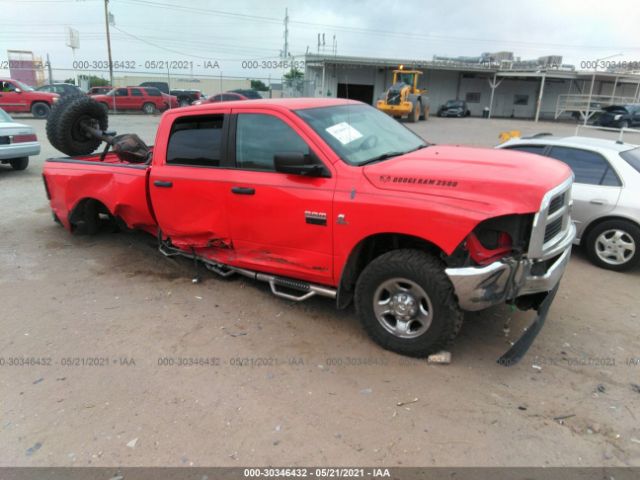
(163, 184)
(243, 190)
(597, 201)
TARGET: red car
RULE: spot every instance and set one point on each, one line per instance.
(148, 99)
(17, 97)
(222, 97)
(331, 197)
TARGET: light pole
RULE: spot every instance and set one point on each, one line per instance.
(106, 23)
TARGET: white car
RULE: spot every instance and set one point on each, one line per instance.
(606, 194)
(17, 142)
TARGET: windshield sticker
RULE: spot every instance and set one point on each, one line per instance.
(344, 133)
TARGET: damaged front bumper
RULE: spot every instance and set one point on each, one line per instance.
(510, 279)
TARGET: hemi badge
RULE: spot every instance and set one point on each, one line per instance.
(315, 218)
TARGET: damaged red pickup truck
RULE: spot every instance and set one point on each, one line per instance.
(329, 197)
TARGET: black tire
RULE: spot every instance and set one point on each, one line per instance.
(596, 246)
(149, 108)
(425, 271)
(64, 127)
(19, 163)
(40, 110)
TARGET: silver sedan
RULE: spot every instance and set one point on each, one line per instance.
(606, 194)
(17, 142)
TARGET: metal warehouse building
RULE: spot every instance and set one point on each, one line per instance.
(542, 88)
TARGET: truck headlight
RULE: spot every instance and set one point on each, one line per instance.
(617, 117)
(55, 99)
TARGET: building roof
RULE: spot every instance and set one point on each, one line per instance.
(317, 60)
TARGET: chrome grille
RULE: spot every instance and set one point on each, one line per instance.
(552, 229)
(552, 223)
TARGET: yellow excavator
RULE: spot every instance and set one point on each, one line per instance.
(404, 97)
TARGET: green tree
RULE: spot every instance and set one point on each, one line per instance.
(293, 76)
(259, 86)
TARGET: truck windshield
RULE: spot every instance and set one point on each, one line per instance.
(360, 134)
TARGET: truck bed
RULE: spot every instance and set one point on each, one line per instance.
(118, 185)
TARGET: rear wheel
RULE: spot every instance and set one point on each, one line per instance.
(614, 245)
(406, 303)
(149, 108)
(19, 163)
(40, 110)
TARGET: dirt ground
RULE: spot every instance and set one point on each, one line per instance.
(287, 383)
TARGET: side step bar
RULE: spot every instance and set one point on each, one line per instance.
(276, 283)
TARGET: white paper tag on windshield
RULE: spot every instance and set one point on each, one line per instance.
(344, 132)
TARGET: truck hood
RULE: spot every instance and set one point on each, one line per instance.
(491, 181)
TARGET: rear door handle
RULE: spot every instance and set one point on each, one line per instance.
(163, 184)
(243, 190)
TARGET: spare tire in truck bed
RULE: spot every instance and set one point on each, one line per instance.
(67, 121)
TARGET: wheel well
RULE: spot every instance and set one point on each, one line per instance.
(600, 220)
(370, 248)
(77, 214)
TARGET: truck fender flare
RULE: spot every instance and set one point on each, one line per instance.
(369, 248)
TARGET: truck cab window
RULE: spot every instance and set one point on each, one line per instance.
(259, 137)
(196, 141)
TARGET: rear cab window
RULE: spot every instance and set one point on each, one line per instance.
(197, 141)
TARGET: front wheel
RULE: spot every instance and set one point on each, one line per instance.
(414, 116)
(406, 303)
(614, 245)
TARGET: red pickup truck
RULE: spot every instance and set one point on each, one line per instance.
(16, 97)
(331, 197)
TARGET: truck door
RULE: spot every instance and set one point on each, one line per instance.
(281, 223)
(188, 183)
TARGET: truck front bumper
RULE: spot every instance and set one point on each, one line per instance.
(507, 280)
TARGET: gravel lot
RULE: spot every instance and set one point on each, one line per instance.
(327, 395)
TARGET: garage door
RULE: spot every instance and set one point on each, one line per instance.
(362, 93)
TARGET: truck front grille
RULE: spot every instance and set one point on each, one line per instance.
(552, 229)
(552, 222)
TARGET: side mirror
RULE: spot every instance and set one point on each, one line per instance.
(299, 164)
(17, 90)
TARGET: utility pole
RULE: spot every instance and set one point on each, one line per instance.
(285, 51)
(106, 23)
(49, 69)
